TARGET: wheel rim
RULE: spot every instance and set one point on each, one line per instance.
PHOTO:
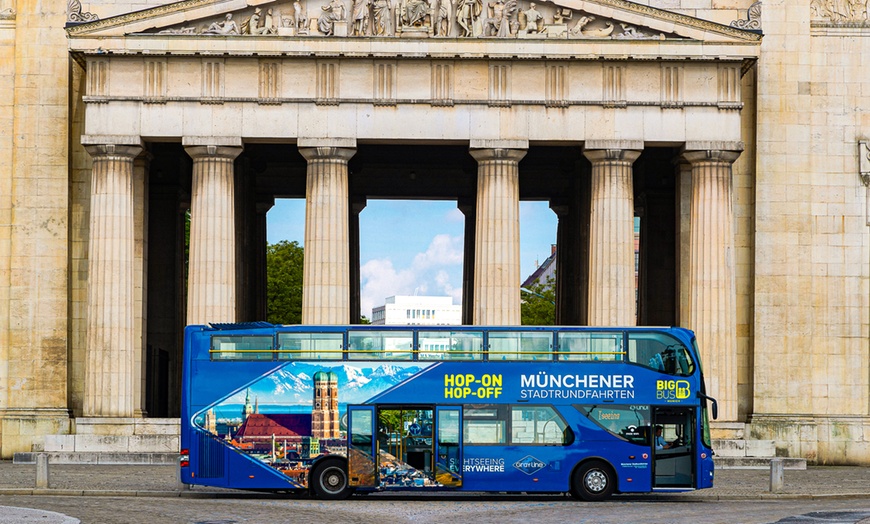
(333, 480)
(595, 481)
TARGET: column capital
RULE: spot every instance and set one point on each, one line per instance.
(325, 153)
(611, 155)
(113, 150)
(213, 151)
(710, 155)
(613, 144)
(495, 154)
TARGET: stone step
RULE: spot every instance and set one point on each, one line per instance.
(62, 457)
(744, 448)
(110, 444)
(757, 462)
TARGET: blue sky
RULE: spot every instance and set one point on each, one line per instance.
(409, 247)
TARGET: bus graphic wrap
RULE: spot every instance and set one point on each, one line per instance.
(332, 421)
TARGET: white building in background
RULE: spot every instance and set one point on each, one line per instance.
(418, 310)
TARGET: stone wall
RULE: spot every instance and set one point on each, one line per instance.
(33, 223)
(812, 374)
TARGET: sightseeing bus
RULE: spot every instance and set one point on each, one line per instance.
(337, 410)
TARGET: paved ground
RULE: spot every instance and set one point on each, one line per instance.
(845, 487)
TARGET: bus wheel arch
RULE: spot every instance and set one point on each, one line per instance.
(328, 479)
(593, 480)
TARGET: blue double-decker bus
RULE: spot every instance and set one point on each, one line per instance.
(341, 409)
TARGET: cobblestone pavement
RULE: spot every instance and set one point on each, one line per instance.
(150, 495)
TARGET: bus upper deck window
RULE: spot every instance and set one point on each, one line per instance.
(586, 345)
(372, 344)
(660, 352)
(520, 345)
(241, 347)
(310, 346)
(450, 345)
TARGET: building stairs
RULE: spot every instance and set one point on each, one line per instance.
(733, 450)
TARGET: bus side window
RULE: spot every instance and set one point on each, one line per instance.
(585, 345)
(310, 346)
(450, 345)
(371, 344)
(241, 347)
(660, 352)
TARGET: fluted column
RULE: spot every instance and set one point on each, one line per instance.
(497, 237)
(211, 281)
(712, 292)
(326, 271)
(612, 300)
(110, 381)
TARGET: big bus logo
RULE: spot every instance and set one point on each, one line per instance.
(530, 464)
(673, 389)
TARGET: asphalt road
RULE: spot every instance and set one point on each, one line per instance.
(439, 508)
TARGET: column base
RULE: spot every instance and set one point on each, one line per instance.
(24, 429)
(821, 439)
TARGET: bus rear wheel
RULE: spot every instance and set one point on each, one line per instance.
(329, 480)
(593, 481)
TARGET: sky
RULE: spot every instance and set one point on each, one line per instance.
(412, 247)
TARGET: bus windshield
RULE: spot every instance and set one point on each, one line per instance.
(341, 409)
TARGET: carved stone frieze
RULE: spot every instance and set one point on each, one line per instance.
(841, 11)
(74, 13)
(418, 19)
(7, 14)
(504, 19)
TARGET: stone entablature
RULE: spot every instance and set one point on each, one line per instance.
(652, 101)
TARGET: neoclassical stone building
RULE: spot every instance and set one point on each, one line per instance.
(739, 137)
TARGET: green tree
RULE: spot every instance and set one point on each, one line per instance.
(538, 307)
(284, 282)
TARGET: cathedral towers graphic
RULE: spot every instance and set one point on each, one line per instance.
(324, 417)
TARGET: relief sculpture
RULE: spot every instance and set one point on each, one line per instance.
(330, 14)
(437, 18)
(842, 10)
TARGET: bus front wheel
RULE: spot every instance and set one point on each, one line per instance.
(329, 480)
(593, 481)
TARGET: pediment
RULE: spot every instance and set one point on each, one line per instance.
(597, 20)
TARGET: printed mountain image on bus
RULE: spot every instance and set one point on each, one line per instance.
(338, 410)
(298, 413)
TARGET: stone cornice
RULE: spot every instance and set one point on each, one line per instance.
(678, 18)
(137, 16)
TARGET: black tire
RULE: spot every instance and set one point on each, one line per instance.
(593, 481)
(328, 481)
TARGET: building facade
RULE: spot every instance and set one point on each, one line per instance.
(744, 156)
(418, 310)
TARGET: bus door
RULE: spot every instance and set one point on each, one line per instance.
(448, 446)
(417, 446)
(361, 463)
(673, 447)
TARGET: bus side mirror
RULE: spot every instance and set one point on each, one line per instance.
(714, 407)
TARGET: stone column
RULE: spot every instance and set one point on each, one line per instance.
(141, 167)
(326, 272)
(357, 206)
(712, 292)
(110, 380)
(497, 235)
(466, 207)
(211, 282)
(612, 300)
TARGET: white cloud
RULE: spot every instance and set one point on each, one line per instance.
(436, 271)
